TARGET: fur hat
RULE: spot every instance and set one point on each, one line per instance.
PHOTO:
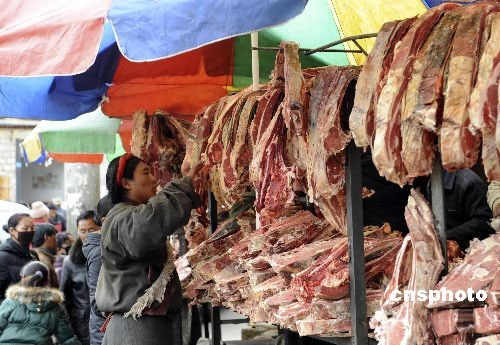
(39, 210)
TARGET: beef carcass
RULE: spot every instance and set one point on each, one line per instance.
(458, 145)
(323, 309)
(487, 320)
(372, 79)
(299, 259)
(221, 141)
(328, 276)
(327, 140)
(274, 184)
(422, 103)
(494, 291)
(477, 271)
(483, 108)
(293, 103)
(195, 231)
(480, 117)
(408, 322)
(450, 321)
(161, 142)
(195, 163)
(237, 151)
(387, 142)
(288, 314)
(464, 337)
(328, 327)
(490, 340)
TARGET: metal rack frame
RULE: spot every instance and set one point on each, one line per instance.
(327, 47)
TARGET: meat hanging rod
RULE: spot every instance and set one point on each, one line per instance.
(307, 49)
(326, 47)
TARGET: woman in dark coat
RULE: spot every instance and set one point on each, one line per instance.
(15, 252)
(138, 283)
(74, 287)
(92, 251)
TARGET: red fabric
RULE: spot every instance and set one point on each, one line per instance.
(122, 164)
(77, 158)
(56, 37)
(125, 132)
(181, 85)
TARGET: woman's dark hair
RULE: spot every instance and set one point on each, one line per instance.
(103, 207)
(42, 230)
(14, 221)
(116, 192)
(34, 274)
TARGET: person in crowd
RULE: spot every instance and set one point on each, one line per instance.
(40, 212)
(92, 252)
(467, 211)
(64, 241)
(44, 244)
(15, 252)
(32, 312)
(387, 204)
(137, 265)
(74, 279)
(56, 218)
(58, 204)
(493, 197)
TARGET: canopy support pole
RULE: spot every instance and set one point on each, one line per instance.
(254, 36)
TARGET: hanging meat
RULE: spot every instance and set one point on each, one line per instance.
(160, 140)
(406, 322)
(388, 142)
(483, 109)
(422, 102)
(372, 79)
(327, 142)
(458, 145)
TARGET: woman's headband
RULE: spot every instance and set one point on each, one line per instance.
(121, 167)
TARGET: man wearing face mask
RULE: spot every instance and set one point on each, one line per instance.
(44, 244)
(15, 252)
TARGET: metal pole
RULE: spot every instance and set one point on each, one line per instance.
(214, 311)
(254, 36)
(359, 324)
(216, 331)
(345, 39)
(437, 197)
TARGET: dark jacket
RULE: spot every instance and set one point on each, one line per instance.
(48, 260)
(133, 244)
(388, 203)
(467, 211)
(32, 315)
(92, 251)
(13, 257)
(74, 287)
(59, 222)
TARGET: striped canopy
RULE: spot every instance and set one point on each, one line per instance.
(177, 56)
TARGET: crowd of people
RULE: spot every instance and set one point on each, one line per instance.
(44, 277)
(115, 283)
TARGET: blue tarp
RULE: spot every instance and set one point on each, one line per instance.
(151, 30)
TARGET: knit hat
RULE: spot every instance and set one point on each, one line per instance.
(39, 210)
